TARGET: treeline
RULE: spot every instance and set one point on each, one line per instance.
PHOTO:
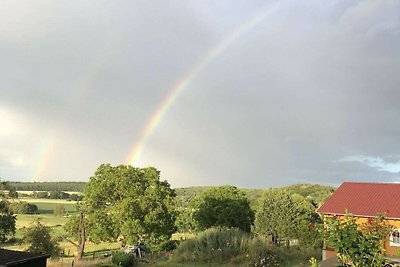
(57, 195)
(48, 186)
(314, 193)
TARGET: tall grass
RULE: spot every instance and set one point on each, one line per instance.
(221, 245)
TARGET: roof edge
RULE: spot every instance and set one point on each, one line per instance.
(356, 215)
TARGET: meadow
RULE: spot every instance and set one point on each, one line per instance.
(56, 223)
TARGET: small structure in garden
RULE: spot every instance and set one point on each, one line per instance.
(364, 201)
(13, 258)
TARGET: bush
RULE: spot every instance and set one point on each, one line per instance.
(59, 210)
(170, 245)
(223, 245)
(216, 245)
(40, 241)
(23, 207)
(123, 259)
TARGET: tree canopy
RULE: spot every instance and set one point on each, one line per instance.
(223, 206)
(40, 241)
(281, 215)
(7, 219)
(129, 202)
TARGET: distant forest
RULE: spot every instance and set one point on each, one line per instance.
(313, 192)
(48, 186)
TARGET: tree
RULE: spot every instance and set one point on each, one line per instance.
(129, 202)
(223, 206)
(358, 244)
(76, 228)
(40, 241)
(7, 221)
(184, 220)
(12, 193)
(23, 207)
(59, 210)
(280, 215)
(41, 194)
(75, 197)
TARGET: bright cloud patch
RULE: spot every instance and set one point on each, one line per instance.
(374, 162)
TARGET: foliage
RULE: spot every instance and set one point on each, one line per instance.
(185, 195)
(123, 259)
(315, 193)
(358, 244)
(58, 195)
(23, 207)
(214, 244)
(223, 245)
(72, 225)
(184, 220)
(48, 186)
(59, 210)
(75, 197)
(313, 261)
(7, 221)
(170, 245)
(223, 206)
(40, 241)
(310, 235)
(12, 193)
(281, 215)
(131, 202)
(277, 216)
(41, 194)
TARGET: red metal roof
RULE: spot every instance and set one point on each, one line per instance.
(364, 199)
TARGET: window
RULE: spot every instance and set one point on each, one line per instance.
(395, 238)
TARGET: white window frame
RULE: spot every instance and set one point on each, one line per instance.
(395, 240)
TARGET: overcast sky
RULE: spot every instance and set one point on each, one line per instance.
(305, 92)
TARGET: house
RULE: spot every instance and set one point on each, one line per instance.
(366, 200)
(21, 259)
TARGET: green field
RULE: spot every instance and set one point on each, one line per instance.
(46, 206)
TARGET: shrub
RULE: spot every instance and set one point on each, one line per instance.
(59, 210)
(40, 241)
(23, 207)
(170, 245)
(237, 247)
(214, 244)
(123, 259)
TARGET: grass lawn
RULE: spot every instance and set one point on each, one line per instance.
(26, 220)
(46, 206)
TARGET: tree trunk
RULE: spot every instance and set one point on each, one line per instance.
(81, 236)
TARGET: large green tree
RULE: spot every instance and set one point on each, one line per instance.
(7, 219)
(281, 215)
(223, 206)
(131, 203)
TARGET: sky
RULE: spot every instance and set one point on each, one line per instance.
(249, 93)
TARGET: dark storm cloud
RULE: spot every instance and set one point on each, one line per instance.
(294, 99)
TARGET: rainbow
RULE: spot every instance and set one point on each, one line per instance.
(137, 150)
